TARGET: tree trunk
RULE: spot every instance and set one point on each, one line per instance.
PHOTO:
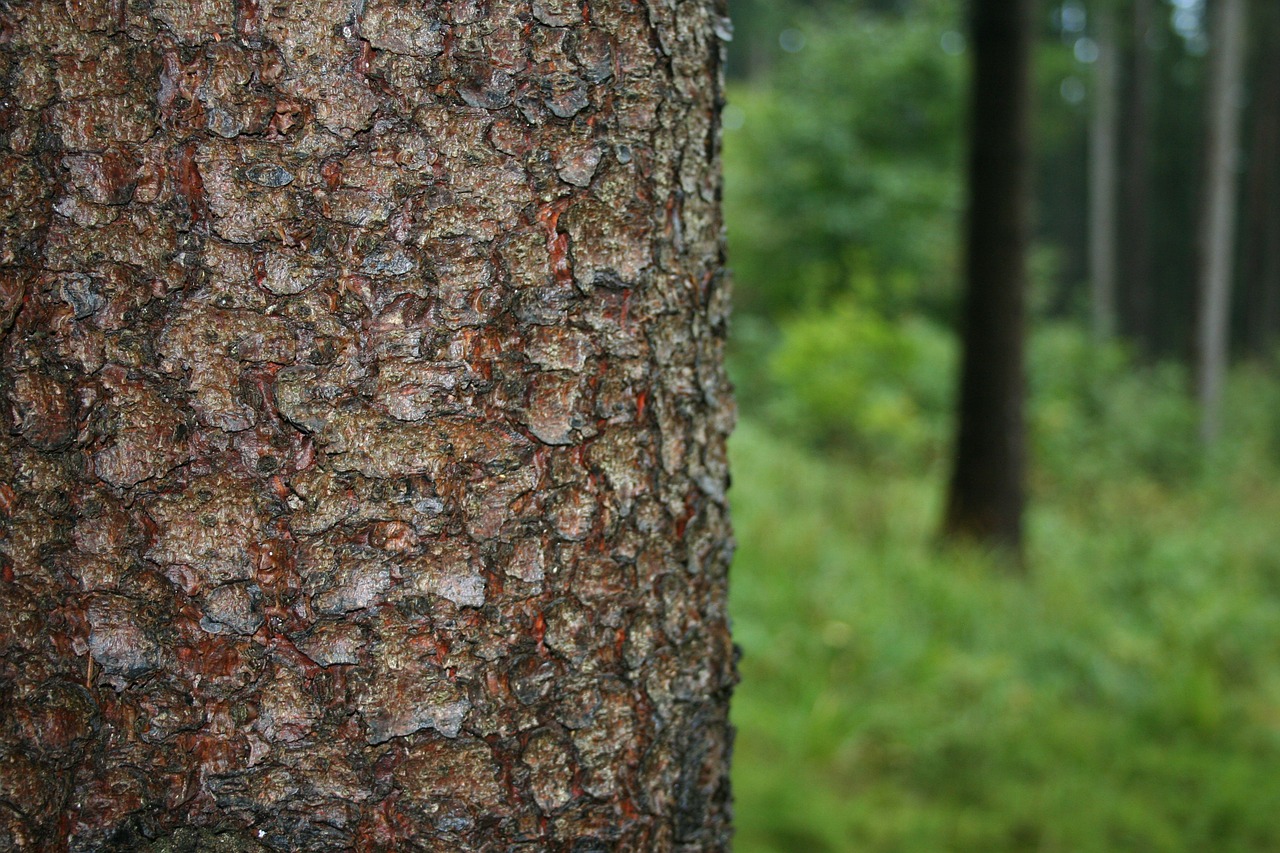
(1103, 163)
(364, 474)
(1260, 263)
(987, 492)
(1218, 223)
(1134, 259)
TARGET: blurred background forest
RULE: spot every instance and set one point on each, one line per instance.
(1124, 692)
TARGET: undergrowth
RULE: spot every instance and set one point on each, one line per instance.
(901, 696)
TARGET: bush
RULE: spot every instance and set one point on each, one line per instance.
(846, 164)
(1094, 412)
(849, 380)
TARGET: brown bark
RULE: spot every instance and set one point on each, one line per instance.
(986, 496)
(363, 478)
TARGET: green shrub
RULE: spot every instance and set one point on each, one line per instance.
(1093, 411)
(846, 164)
(898, 697)
(847, 379)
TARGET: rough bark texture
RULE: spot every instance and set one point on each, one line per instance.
(363, 478)
(987, 490)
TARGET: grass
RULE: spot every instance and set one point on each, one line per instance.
(898, 696)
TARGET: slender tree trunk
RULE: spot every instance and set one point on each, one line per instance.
(1103, 171)
(987, 485)
(1218, 222)
(1266, 305)
(1260, 265)
(1134, 258)
(363, 477)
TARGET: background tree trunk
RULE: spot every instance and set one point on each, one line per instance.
(1103, 170)
(1134, 259)
(987, 493)
(1218, 219)
(1260, 250)
(364, 474)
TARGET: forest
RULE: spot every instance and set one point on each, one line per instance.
(1118, 686)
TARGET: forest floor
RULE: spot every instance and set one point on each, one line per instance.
(900, 696)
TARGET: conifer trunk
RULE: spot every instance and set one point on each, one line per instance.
(986, 495)
(1260, 249)
(1218, 216)
(1103, 174)
(1134, 252)
(363, 476)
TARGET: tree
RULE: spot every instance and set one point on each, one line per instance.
(1104, 158)
(1218, 216)
(986, 495)
(364, 473)
(850, 185)
(1260, 237)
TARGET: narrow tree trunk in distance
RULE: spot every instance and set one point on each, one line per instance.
(1218, 222)
(362, 479)
(1267, 286)
(1103, 157)
(1260, 264)
(1134, 260)
(986, 495)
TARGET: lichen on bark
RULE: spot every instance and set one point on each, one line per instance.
(363, 469)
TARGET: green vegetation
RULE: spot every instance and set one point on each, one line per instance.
(1124, 694)
(901, 697)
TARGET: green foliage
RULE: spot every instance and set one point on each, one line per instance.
(1252, 402)
(1094, 412)
(851, 383)
(845, 165)
(850, 380)
(1124, 697)
(901, 697)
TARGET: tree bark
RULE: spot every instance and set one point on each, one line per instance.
(986, 495)
(1103, 171)
(364, 473)
(1218, 222)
